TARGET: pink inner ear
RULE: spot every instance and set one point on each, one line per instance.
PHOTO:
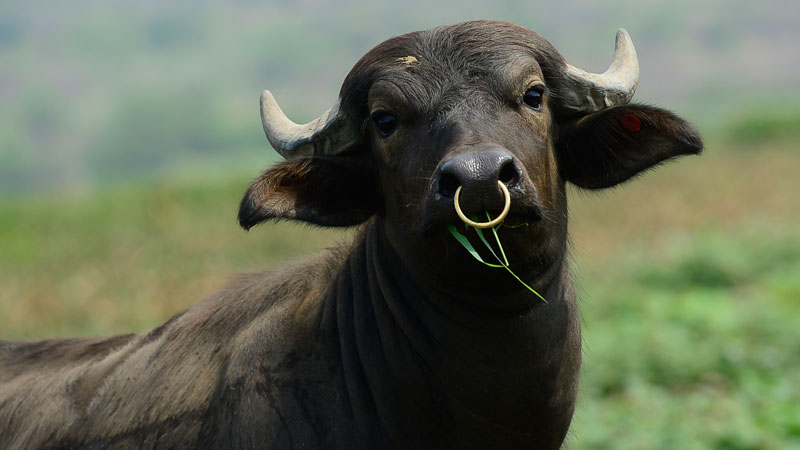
(631, 123)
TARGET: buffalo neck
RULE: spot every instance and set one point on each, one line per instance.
(424, 359)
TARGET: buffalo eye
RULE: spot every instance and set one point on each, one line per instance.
(533, 98)
(385, 122)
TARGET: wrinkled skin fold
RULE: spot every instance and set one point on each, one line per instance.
(398, 339)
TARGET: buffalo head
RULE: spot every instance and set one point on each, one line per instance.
(474, 107)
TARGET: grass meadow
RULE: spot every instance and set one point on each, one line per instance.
(689, 279)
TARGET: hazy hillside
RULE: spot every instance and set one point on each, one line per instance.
(92, 91)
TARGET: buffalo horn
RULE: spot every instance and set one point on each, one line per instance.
(326, 135)
(590, 92)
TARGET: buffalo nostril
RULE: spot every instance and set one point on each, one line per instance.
(448, 184)
(509, 173)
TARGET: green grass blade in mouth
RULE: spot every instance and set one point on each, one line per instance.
(465, 243)
(462, 239)
(486, 243)
(499, 245)
(519, 225)
(525, 284)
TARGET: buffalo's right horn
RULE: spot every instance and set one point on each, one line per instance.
(589, 92)
(329, 134)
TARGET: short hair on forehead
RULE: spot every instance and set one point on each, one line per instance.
(446, 55)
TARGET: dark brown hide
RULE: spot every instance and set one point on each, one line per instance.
(401, 339)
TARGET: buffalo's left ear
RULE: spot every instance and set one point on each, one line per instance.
(324, 190)
(610, 146)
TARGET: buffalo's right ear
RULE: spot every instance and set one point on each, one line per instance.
(332, 191)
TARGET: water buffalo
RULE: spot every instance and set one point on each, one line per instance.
(400, 339)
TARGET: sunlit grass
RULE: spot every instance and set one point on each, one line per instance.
(696, 346)
(689, 281)
(126, 260)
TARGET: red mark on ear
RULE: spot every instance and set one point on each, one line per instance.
(631, 123)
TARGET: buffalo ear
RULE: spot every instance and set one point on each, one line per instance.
(335, 191)
(610, 146)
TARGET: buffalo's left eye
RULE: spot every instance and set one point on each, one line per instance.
(385, 122)
(533, 98)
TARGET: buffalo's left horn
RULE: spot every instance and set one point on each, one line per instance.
(329, 134)
(590, 92)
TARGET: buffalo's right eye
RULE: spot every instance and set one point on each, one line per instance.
(385, 122)
(533, 98)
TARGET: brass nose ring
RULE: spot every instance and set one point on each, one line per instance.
(492, 223)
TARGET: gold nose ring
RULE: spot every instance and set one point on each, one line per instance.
(492, 223)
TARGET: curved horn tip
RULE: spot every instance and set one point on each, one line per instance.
(623, 41)
(266, 95)
(275, 123)
(327, 134)
(626, 61)
(622, 34)
(267, 102)
(592, 92)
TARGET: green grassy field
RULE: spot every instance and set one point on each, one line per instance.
(689, 280)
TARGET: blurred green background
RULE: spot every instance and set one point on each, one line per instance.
(129, 131)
